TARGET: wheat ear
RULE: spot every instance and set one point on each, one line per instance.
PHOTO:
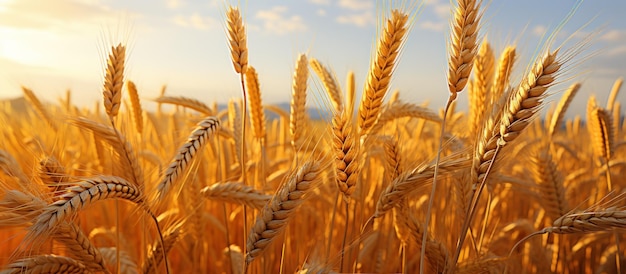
(503, 73)
(257, 115)
(10, 166)
(614, 92)
(237, 39)
(561, 108)
(480, 87)
(346, 150)
(330, 83)
(83, 194)
(401, 109)
(80, 247)
(135, 106)
(463, 45)
(234, 119)
(52, 173)
(379, 76)
(520, 109)
(114, 80)
(122, 148)
(39, 108)
(298, 100)
(196, 140)
(550, 182)
(45, 264)
(410, 181)
(236, 258)
(600, 128)
(275, 216)
(155, 254)
(186, 102)
(236, 192)
(127, 264)
(602, 220)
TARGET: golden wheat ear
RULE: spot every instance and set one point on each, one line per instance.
(387, 50)
(182, 160)
(114, 80)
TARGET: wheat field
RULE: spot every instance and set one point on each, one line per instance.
(381, 186)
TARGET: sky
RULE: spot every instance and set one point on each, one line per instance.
(53, 46)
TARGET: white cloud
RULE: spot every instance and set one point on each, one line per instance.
(442, 10)
(321, 12)
(356, 4)
(613, 35)
(320, 2)
(434, 26)
(617, 51)
(195, 21)
(360, 20)
(174, 4)
(276, 21)
(35, 14)
(539, 30)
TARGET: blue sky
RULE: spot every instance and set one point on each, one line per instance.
(51, 46)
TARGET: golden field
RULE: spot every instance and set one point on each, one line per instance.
(382, 186)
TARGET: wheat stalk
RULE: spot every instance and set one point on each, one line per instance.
(274, 217)
(379, 76)
(196, 140)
